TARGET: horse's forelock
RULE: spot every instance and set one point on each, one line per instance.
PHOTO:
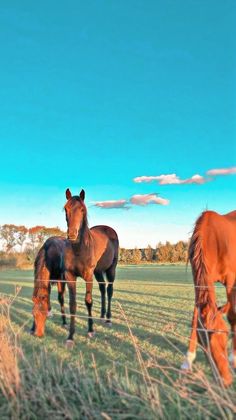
(72, 200)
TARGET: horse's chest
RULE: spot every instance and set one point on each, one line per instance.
(78, 264)
(79, 269)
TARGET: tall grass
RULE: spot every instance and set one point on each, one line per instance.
(47, 387)
(9, 370)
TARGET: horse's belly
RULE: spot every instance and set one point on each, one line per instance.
(105, 261)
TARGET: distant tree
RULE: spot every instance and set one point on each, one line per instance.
(182, 251)
(149, 253)
(8, 235)
(164, 252)
(126, 256)
(21, 236)
(36, 237)
(39, 234)
(137, 256)
(53, 231)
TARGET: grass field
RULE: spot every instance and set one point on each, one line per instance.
(127, 371)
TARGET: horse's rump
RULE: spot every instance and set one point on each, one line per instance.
(106, 245)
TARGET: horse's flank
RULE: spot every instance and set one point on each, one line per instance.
(212, 253)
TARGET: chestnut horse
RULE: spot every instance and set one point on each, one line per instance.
(85, 253)
(48, 270)
(212, 254)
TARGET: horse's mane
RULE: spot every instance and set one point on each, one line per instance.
(198, 262)
(85, 233)
(39, 264)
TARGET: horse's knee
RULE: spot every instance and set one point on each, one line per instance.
(88, 299)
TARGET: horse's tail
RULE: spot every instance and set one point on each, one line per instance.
(197, 258)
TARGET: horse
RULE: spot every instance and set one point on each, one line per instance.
(86, 252)
(48, 270)
(212, 254)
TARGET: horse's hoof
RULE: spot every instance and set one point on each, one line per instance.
(65, 326)
(69, 344)
(186, 366)
(49, 314)
(91, 334)
(108, 323)
(103, 320)
(31, 332)
(232, 360)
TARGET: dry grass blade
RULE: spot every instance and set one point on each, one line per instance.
(9, 370)
(153, 394)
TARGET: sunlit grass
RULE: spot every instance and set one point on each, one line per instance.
(157, 301)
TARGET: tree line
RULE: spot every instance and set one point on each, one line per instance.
(162, 253)
(20, 239)
(27, 241)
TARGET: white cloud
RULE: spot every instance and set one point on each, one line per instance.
(171, 179)
(223, 171)
(112, 204)
(144, 199)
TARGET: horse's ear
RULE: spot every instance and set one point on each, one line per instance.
(82, 195)
(68, 194)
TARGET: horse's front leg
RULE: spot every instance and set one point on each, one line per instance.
(49, 314)
(61, 300)
(71, 284)
(191, 353)
(89, 301)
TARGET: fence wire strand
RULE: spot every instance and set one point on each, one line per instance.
(18, 288)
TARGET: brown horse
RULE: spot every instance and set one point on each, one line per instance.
(48, 270)
(212, 254)
(84, 253)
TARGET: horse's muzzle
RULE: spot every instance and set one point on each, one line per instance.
(72, 238)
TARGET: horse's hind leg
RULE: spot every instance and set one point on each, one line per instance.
(102, 287)
(71, 284)
(232, 321)
(191, 353)
(49, 314)
(61, 292)
(231, 315)
(110, 274)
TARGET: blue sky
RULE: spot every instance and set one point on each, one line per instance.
(96, 93)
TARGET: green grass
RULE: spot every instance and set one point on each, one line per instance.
(152, 311)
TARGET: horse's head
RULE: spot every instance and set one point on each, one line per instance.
(76, 213)
(217, 339)
(40, 311)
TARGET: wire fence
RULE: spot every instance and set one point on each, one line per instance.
(17, 288)
(130, 282)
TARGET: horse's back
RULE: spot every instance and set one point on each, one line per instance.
(106, 230)
(216, 235)
(53, 249)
